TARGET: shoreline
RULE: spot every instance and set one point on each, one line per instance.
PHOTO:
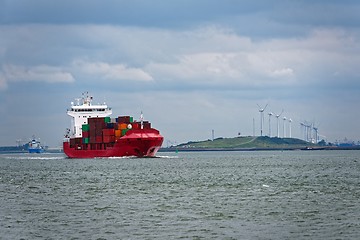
(327, 148)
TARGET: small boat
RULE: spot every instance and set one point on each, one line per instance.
(35, 146)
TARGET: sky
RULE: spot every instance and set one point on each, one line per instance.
(190, 66)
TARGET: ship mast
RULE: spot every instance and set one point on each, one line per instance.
(142, 120)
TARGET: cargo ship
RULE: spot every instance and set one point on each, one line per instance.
(94, 134)
(35, 146)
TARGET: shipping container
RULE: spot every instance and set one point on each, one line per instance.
(85, 140)
(108, 139)
(146, 125)
(124, 119)
(100, 125)
(92, 139)
(98, 132)
(135, 125)
(117, 133)
(107, 119)
(108, 132)
(85, 134)
(85, 127)
(123, 131)
(95, 120)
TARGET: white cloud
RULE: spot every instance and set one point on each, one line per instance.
(112, 71)
(283, 72)
(42, 73)
(209, 54)
(201, 67)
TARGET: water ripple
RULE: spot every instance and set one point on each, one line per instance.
(221, 195)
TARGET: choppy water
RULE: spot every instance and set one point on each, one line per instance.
(202, 195)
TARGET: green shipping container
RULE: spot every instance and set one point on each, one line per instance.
(107, 119)
(131, 119)
(85, 127)
(123, 131)
(85, 140)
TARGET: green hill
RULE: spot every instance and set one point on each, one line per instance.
(248, 143)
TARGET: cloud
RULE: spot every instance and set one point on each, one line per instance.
(209, 56)
(111, 71)
(41, 73)
(199, 67)
(284, 72)
(231, 69)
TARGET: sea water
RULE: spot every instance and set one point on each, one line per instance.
(197, 195)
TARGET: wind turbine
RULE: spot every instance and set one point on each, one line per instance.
(316, 132)
(261, 110)
(290, 121)
(277, 120)
(284, 132)
(307, 131)
(303, 130)
(270, 114)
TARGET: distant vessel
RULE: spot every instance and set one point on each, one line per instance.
(94, 134)
(35, 146)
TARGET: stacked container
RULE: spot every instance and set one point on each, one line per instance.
(85, 133)
(96, 126)
(106, 130)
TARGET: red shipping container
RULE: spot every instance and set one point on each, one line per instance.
(98, 132)
(98, 139)
(147, 125)
(100, 125)
(123, 119)
(108, 139)
(85, 134)
(108, 132)
(92, 127)
(96, 119)
(92, 139)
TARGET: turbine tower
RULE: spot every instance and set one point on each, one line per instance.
(261, 110)
(303, 130)
(307, 130)
(316, 134)
(277, 120)
(270, 114)
(284, 132)
(290, 121)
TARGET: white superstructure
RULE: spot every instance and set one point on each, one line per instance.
(82, 110)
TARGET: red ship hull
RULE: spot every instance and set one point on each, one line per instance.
(139, 143)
